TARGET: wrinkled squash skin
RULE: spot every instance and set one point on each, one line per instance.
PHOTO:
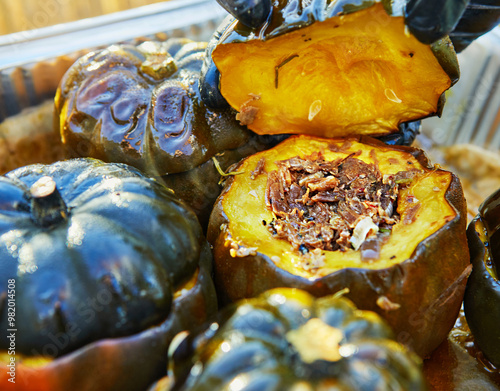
(286, 339)
(423, 268)
(482, 296)
(108, 265)
(140, 105)
(332, 69)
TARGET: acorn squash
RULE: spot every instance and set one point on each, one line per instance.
(140, 105)
(332, 68)
(327, 214)
(286, 339)
(482, 296)
(107, 266)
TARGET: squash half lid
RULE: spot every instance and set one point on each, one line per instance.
(314, 71)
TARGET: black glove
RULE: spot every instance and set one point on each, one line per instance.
(463, 20)
(479, 17)
(430, 20)
(252, 13)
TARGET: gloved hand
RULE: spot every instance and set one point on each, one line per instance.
(428, 20)
(252, 13)
(479, 17)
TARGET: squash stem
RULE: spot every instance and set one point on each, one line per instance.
(47, 205)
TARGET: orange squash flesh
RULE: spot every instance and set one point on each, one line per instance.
(359, 73)
(416, 284)
(245, 208)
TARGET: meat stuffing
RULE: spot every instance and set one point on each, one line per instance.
(334, 205)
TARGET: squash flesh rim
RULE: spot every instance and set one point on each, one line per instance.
(245, 218)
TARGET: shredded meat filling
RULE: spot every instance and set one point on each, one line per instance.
(333, 205)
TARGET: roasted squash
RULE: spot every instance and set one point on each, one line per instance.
(482, 296)
(332, 69)
(286, 339)
(406, 218)
(140, 105)
(107, 266)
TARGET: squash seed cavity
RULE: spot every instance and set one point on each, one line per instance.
(345, 204)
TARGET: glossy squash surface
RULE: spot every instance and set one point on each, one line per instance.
(482, 297)
(102, 258)
(140, 105)
(286, 339)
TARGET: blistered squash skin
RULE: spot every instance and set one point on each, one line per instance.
(428, 284)
(313, 71)
(140, 105)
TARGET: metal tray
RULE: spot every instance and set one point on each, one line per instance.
(33, 62)
(472, 111)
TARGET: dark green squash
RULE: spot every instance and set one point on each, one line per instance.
(141, 106)
(332, 68)
(482, 296)
(286, 339)
(417, 280)
(108, 267)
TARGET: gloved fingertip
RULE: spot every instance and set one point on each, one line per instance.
(431, 20)
(408, 131)
(252, 13)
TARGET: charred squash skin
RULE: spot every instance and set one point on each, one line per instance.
(482, 296)
(439, 263)
(298, 46)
